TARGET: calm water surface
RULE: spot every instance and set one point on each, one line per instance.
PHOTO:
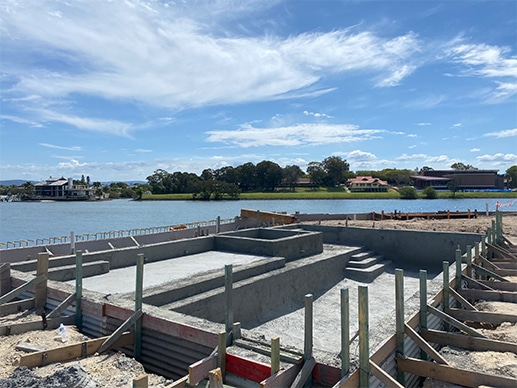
(33, 220)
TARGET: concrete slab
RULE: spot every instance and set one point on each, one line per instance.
(123, 280)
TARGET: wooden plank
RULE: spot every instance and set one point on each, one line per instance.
(69, 352)
(62, 306)
(165, 326)
(454, 322)
(304, 374)
(30, 347)
(141, 381)
(351, 381)
(40, 290)
(464, 302)
(180, 383)
(487, 264)
(500, 286)
(24, 327)
(383, 376)
(477, 284)
(283, 378)
(467, 342)
(251, 370)
(21, 289)
(431, 352)
(497, 296)
(16, 306)
(481, 316)
(120, 330)
(487, 272)
(5, 278)
(255, 346)
(199, 370)
(452, 375)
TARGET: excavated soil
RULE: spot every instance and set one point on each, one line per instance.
(110, 369)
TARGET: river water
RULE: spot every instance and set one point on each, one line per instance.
(36, 220)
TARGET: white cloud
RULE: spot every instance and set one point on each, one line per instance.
(475, 150)
(423, 124)
(487, 61)
(503, 134)
(295, 135)
(498, 159)
(171, 60)
(457, 125)
(21, 120)
(112, 127)
(317, 115)
(72, 148)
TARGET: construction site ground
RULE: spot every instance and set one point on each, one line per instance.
(114, 369)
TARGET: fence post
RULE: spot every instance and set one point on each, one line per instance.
(458, 269)
(40, 297)
(78, 290)
(218, 225)
(364, 341)
(228, 288)
(469, 261)
(445, 291)
(275, 355)
(399, 301)
(345, 332)
(138, 305)
(307, 349)
(423, 306)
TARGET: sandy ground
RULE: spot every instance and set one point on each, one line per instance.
(472, 225)
(110, 369)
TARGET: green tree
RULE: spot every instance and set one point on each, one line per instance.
(317, 173)
(291, 174)
(336, 169)
(28, 190)
(429, 193)
(462, 167)
(269, 175)
(247, 176)
(408, 192)
(452, 185)
(512, 176)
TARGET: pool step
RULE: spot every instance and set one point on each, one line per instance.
(365, 266)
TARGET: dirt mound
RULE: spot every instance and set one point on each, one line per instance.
(70, 377)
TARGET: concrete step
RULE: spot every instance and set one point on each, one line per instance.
(67, 272)
(365, 275)
(367, 262)
(361, 256)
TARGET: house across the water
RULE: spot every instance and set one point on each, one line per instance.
(367, 183)
(62, 189)
(462, 179)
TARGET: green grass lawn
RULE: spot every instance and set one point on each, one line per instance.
(323, 193)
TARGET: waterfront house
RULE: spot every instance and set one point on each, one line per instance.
(367, 184)
(62, 189)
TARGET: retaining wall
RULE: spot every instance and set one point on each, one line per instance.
(267, 296)
(271, 242)
(409, 249)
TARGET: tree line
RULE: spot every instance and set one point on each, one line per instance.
(265, 176)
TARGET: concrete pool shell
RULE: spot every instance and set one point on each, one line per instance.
(274, 268)
(268, 291)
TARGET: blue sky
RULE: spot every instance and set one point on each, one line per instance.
(117, 89)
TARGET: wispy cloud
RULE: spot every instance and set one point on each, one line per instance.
(57, 147)
(169, 59)
(487, 61)
(498, 159)
(503, 134)
(295, 135)
(423, 124)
